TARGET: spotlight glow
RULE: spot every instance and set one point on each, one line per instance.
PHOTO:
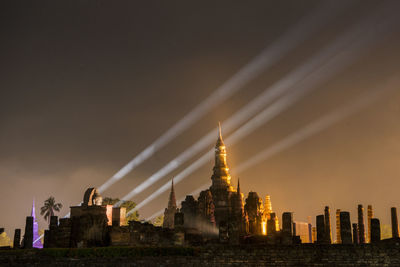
(282, 86)
(305, 28)
(359, 44)
(307, 131)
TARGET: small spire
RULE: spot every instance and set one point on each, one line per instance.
(33, 208)
(220, 142)
(172, 199)
(238, 186)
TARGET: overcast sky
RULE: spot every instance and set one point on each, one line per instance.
(87, 85)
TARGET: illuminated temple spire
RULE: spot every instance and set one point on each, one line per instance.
(172, 199)
(38, 243)
(221, 178)
(169, 213)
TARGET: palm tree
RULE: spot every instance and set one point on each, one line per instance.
(49, 207)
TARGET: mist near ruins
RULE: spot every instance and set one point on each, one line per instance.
(82, 95)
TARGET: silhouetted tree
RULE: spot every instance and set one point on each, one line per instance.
(129, 205)
(49, 207)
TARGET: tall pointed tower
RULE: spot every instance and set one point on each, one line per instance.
(169, 213)
(221, 188)
(38, 243)
(221, 179)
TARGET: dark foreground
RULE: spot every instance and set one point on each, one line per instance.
(384, 254)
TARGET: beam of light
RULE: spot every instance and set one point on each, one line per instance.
(244, 114)
(303, 30)
(313, 128)
(309, 130)
(193, 193)
(361, 43)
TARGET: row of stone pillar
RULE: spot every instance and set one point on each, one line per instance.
(353, 233)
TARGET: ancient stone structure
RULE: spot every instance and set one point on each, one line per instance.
(28, 236)
(361, 226)
(254, 212)
(395, 224)
(287, 223)
(220, 205)
(328, 231)
(222, 208)
(221, 188)
(338, 238)
(17, 238)
(89, 225)
(321, 229)
(169, 213)
(345, 227)
(370, 214)
(375, 230)
(355, 234)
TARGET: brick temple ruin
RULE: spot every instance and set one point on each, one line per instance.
(220, 215)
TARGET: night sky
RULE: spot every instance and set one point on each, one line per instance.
(87, 85)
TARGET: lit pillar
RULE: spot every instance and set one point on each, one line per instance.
(338, 238)
(361, 226)
(328, 233)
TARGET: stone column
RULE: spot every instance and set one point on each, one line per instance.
(17, 238)
(370, 214)
(345, 227)
(375, 230)
(314, 234)
(355, 234)
(28, 237)
(361, 226)
(395, 224)
(321, 229)
(338, 237)
(53, 222)
(271, 225)
(328, 232)
(287, 222)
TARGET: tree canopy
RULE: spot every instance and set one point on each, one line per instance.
(49, 207)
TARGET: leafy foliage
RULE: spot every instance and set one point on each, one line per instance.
(127, 204)
(158, 221)
(49, 207)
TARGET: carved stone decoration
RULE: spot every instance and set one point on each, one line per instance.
(92, 197)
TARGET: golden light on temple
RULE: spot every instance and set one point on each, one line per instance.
(264, 227)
